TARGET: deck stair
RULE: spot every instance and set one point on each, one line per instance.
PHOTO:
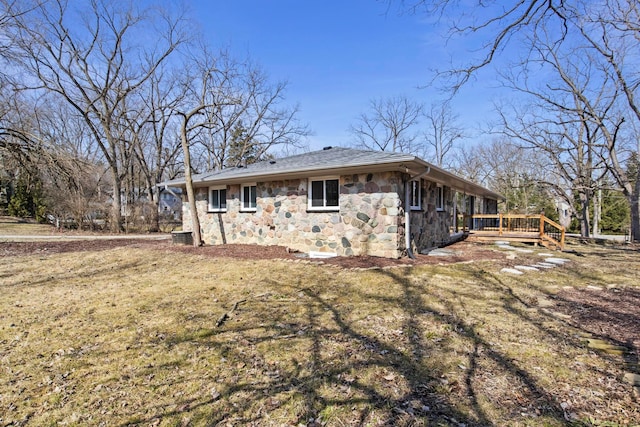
(537, 229)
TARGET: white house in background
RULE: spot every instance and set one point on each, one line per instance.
(170, 203)
(336, 201)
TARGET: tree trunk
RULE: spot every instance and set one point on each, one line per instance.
(116, 208)
(195, 221)
(634, 204)
(585, 228)
(154, 198)
(597, 212)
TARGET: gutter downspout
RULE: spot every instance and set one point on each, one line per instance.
(407, 211)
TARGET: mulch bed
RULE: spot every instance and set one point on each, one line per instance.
(462, 252)
(610, 314)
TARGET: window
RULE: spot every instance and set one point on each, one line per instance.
(248, 198)
(324, 194)
(439, 198)
(217, 199)
(415, 195)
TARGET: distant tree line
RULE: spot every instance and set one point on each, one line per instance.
(97, 96)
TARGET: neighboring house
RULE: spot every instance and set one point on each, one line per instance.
(564, 213)
(170, 203)
(336, 201)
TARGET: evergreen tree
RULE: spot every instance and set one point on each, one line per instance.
(615, 212)
(242, 149)
(27, 200)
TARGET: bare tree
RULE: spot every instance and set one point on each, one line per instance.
(442, 133)
(491, 27)
(389, 125)
(607, 32)
(204, 90)
(247, 118)
(96, 65)
(522, 177)
(558, 124)
(43, 142)
(612, 32)
(231, 110)
(153, 131)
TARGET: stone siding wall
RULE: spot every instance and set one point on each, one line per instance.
(430, 228)
(369, 221)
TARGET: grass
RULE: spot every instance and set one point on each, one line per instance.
(15, 226)
(128, 336)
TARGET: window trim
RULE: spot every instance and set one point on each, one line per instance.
(417, 183)
(324, 208)
(217, 188)
(439, 202)
(242, 206)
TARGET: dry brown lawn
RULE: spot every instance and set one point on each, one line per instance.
(137, 335)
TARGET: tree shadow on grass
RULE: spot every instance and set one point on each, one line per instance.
(343, 369)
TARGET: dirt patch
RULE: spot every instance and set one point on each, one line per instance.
(611, 314)
(56, 247)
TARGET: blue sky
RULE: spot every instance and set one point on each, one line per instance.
(338, 55)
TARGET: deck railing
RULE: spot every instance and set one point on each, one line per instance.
(548, 231)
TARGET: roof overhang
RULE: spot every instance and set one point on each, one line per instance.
(410, 165)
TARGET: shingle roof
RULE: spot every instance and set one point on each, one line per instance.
(327, 161)
(328, 158)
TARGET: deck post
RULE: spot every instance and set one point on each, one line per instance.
(500, 224)
(542, 218)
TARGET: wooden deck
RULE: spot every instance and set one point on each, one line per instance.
(536, 229)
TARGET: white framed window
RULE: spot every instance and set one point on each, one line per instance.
(217, 199)
(248, 197)
(324, 194)
(415, 203)
(439, 198)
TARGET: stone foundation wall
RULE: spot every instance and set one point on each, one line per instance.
(369, 222)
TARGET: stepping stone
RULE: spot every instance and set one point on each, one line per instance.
(545, 254)
(545, 302)
(594, 288)
(633, 379)
(525, 268)
(556, 314)
(558, 261)
(545, 265)
(511, 271)
(606, 347)
(441, 252)
(524, 251)
(502, 243)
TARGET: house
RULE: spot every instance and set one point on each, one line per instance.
(170, 203)
(336, 201)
